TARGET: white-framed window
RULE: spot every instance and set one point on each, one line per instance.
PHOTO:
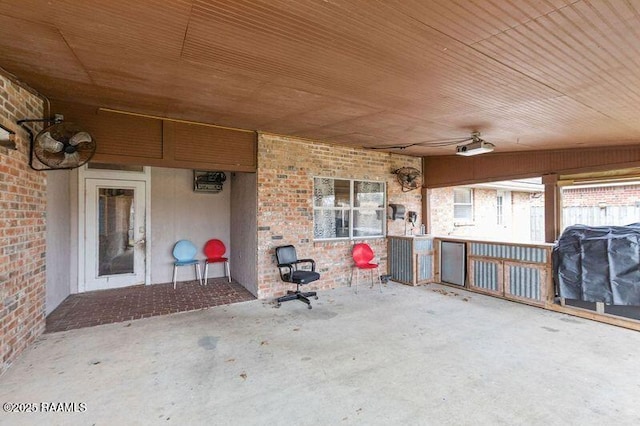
(348, 208)
(500, 208)
(463, 204)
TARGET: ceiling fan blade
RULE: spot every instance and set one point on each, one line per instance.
(49, 144)
(80, 137)
(70, 160)
(50, 159)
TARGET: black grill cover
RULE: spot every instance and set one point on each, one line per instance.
(599, 264)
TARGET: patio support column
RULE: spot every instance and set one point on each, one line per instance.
(551, 207)
(426, 212)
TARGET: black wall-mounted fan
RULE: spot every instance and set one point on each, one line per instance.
(60, 146)
(409, 178)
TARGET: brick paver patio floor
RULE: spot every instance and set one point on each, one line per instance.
(142, 301)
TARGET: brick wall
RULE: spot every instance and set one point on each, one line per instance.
(616, 204)
(441, 211)
(22, 230)
(286, 168)
(617, 195)
(484, 213)
(516, 214)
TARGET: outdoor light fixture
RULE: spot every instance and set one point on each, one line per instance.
(475, 147)
(7, 138)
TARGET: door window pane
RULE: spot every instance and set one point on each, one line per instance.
(115, 227)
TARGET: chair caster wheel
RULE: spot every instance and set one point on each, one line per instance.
(278, 305)
(309, 306)
(316, 297)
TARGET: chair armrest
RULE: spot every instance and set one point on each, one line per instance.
(311, 261)
(289, 268)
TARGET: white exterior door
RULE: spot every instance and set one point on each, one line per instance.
(114, 234)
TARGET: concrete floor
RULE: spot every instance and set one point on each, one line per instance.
(429, 355)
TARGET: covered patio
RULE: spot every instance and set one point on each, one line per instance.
(309, 109)
(451, 357)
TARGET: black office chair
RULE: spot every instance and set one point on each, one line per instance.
(288, 265)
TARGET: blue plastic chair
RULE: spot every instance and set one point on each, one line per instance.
(185, 254)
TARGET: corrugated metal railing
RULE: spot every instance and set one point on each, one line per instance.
(510, 270)
(411, 259)
(524, 282)
(400, 253)
(485, 275)
(425, 267)
(513, 252)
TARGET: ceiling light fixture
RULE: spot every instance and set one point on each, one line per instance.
(475, 147)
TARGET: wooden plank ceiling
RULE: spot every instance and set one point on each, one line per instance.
(528, 74)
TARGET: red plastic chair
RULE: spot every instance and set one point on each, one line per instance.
(214, 250)
(362, 257)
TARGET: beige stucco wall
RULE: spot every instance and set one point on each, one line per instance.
(177, 212)
(59, 223)
(244, 229)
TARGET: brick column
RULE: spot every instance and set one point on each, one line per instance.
(22, 229)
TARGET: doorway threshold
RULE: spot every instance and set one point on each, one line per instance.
(142, 301)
